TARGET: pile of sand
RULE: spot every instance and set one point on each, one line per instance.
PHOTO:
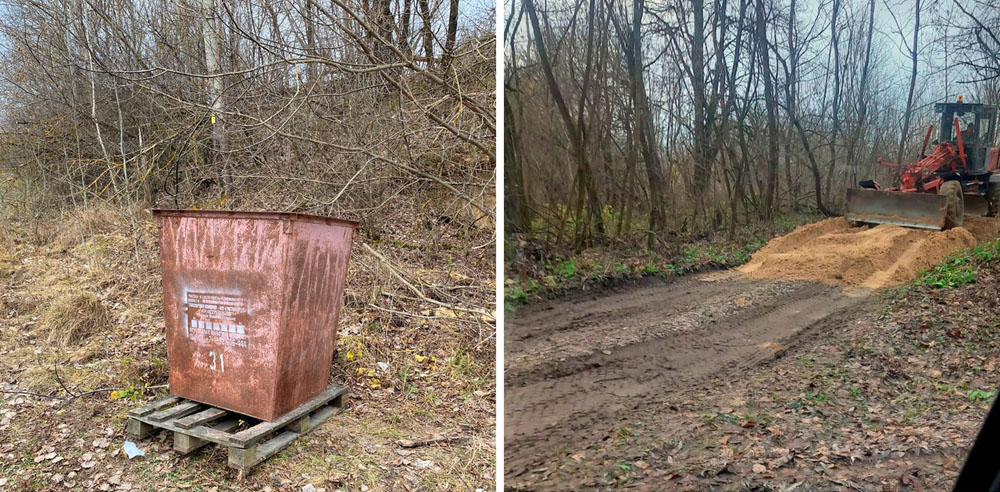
(835, 252)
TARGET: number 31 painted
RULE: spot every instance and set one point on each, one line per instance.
(222, 362)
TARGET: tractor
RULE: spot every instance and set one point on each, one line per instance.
(960, 177)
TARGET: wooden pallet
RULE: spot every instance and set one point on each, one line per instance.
(195, 424)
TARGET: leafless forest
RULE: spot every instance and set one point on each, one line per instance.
(628, 119)
(381, 112)
(309, 105)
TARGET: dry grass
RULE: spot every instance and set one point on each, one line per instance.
(76, 225)
(6, 260)
(73, 318)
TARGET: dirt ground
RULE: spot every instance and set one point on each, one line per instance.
(721, 382)
(415, 372)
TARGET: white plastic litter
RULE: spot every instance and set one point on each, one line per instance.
(132, 450)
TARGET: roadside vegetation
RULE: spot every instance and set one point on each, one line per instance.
(536, 269)
(961, 268)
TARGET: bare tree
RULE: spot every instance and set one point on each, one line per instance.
(913, 48)
(586, 195)
(772, 113)
(210, 34)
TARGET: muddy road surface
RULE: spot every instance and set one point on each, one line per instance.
(580, 367)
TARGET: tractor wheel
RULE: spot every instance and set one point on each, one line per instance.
(993, 200)
(955, 211)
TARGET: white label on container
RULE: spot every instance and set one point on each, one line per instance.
(217, 317)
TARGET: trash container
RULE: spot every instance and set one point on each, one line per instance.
(251, 301)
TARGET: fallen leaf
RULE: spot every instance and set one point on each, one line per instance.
(444, 312)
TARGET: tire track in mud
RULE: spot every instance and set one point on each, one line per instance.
(576, 369)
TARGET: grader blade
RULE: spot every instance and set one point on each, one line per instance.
(976, 205)
(920, 210)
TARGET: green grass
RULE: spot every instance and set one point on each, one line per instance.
(954, 272)
(960, 269)
(948, 276)
(580, 269)
(987, 252)
(515, 293)
(817, 397)
(566, 269)
(981, 396)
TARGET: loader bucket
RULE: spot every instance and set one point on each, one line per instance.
(976, 205)
(920, 210)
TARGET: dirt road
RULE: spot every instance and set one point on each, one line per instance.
(577, 369)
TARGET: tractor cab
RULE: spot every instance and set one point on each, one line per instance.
(977, 123)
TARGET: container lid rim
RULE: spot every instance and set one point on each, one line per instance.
(248, 214)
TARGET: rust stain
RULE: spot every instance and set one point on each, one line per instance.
(252, 301)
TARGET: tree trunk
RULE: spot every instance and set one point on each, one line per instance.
(645, 132)
(913, 83)
(404, 27)
(791, 107)
(772, 116)
(586, 174)
(385, 25)
(516, 211)
(282, 70)
(210, 35)
(573, 130)
(449, 42)
(425, 29)
(791, 83)
(310, 19)
(835, 131)
(702, 165)
(862, 122)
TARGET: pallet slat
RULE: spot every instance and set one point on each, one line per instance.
(174, 412)
(270, 448)
(152, 407)
(186, 443)
(245, 458)
(263, 429)
(211, 434)
(321, 415)
(206, 415)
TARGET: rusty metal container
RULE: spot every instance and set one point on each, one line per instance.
(251, 301)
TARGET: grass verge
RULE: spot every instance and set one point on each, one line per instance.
(536, 270)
